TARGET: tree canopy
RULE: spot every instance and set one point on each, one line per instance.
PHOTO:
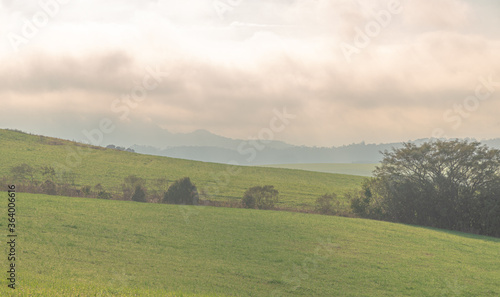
(182, 191)
(261, 197)
(446, 184)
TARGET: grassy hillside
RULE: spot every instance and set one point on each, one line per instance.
(339, 168)
(94, 165)
(115, 248)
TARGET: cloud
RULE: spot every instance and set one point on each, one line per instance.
(444, 14)
(228, 79)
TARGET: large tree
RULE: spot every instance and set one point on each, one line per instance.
(182, 191)
(447, 184)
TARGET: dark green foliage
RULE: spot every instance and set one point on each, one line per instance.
(368, 202)
(49, 187)
(104, 195)
(86, 190)
(139, 195)
(260, 197)
(445, 184)
(129, 185)
(182, 191)
(101, 193)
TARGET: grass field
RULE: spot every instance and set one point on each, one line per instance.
(90, 247)
(92, 166)
(339, 168)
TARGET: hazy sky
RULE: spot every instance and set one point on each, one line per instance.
(378, 71)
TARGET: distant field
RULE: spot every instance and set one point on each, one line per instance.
(108, 167)
(90, 247)
(339, 168)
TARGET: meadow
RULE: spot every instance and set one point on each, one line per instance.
(92, 165)
(338, 168)
(90, 247)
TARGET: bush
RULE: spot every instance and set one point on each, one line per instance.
(369, 202)
(104, 195)
(49, 187)
(182, 191)
(86, 190)
(260, 197)
(130, 183)
(139, 195)
(324, 204)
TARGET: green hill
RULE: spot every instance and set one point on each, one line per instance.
(91, 247)
(92, 165)
(339, 168)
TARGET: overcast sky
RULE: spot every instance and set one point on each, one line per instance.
(349, 71)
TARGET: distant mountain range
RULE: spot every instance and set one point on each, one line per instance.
(201, 145)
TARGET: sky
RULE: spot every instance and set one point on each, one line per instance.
(333, 72)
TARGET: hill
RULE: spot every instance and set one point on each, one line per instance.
(91, 247)
(339, 168)
(90, 165)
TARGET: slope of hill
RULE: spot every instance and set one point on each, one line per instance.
(339, 168)
(96, 165)
(90, 247)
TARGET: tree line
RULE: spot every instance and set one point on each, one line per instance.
(453, 185)
(45, 180)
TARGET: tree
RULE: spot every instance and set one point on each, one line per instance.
(23, 173)
(139, 195)
(445, 184)
(260, 197)
(49, 187)
(368, 202)
(182, 191)
(129, 185)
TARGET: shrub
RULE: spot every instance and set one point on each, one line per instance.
(139, 195)
(260, 197)
(130, 183)
(324, 204)
(369, 201)
(182, 191)
(49, 187)
(104, 195)
(86, 190)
